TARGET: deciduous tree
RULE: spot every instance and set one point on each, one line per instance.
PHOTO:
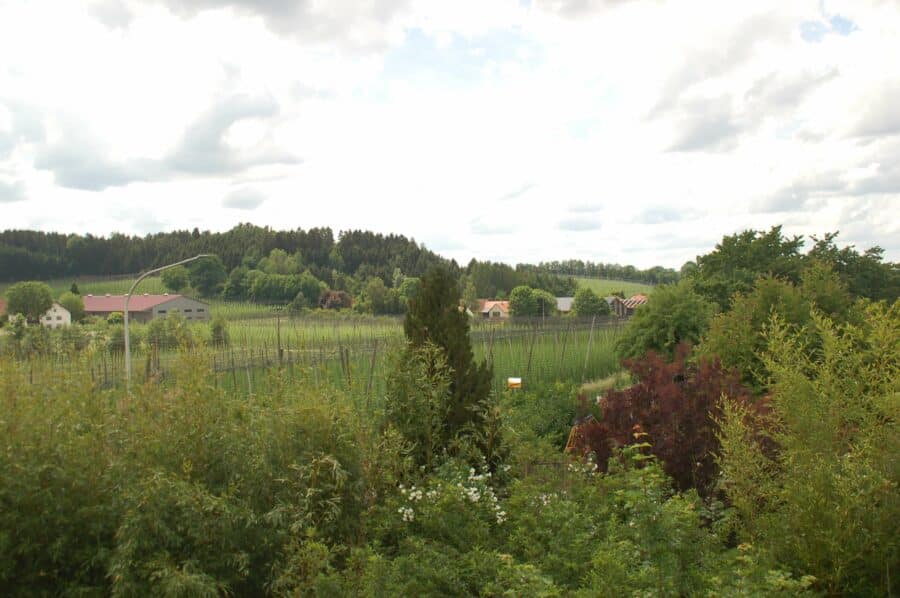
(588, 303)
(175, 279)
(207, 275)
(674, 314)
(31, 299)
(74, 304)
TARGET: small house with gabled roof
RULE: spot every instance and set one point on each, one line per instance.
(56, 317)
(493, 310)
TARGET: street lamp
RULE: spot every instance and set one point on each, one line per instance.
(125, 315)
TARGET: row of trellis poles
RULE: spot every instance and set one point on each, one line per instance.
(357, 361)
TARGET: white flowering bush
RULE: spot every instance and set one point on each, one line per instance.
(458, 505)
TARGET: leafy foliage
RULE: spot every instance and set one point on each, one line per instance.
(826, 502)
(435, 316)
(674, 314)
(588, 303)
(74, 304)
(738, 336)
(184, 491)
(672, 406)
(207, 275)
(176, 279)
(739, 259)
(31, 299)
(864, 274)
(528, 302)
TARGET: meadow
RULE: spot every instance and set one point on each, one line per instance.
(606, 286)
(346, 346)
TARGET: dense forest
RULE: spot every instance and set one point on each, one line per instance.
(380, 271)
(37, 254)
(265, 265)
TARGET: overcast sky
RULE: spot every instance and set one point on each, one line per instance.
(622, 131)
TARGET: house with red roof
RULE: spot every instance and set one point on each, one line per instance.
(492, 310)
(2, 307)
(143, 308)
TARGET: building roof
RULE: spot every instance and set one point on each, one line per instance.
(488, 304)
(635, 300)
(111, 303)
(59, 306)
(2, 306)
(564, 304)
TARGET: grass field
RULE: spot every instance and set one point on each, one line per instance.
(605, 286)
(99, 285)
(342, 347)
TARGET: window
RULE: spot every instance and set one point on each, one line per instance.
(200, 309)
(49, 318)
(162, 311)
(59, 318)
(187, 311)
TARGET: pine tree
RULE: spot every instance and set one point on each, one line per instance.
(437, 316)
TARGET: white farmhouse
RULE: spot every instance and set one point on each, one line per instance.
(56, 317)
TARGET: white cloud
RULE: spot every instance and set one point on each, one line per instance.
(507, 131)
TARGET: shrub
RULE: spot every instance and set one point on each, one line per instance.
(672, 406)
(435, 316)
(674, 314)
(179, 490)
(588, 303)
(826, 503)
(74, 304)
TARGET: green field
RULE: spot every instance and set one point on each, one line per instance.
(99, 285)
(606, 286)
(336, 347)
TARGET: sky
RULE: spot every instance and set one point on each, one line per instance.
(625, 131)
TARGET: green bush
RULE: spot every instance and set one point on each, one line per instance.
(182, 490)
(825, 501)
(674, 314)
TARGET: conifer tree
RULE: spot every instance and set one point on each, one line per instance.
(437, 316)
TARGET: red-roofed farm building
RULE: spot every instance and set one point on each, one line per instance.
(143, 308)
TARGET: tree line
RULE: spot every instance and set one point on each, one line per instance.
(589, 269)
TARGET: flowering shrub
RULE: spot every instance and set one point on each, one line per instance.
(457, 506)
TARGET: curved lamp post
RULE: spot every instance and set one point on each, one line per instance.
(125, 315)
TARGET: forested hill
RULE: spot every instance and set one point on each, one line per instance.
(26, 254)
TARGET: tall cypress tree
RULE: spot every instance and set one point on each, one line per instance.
(435, 315)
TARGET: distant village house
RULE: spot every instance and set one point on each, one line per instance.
(56, 317)
(494, 310)
(143, 308)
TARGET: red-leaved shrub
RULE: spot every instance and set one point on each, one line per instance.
(673, 406)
